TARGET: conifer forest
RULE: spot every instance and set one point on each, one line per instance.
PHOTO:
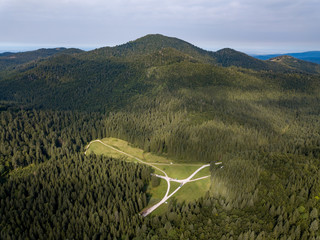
(260, 118)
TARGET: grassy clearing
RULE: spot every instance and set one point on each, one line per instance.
(173, 186)
(193, 190)
(157, 193)
(188, 192)
(160, 210)
(178, 171)
(204, 172)
(99, 148)
(126, 147)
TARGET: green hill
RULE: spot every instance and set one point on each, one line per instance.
(311, 56)
(14, 59)
(168, 97)
(296, 64)
(228, 57)
(150, 44)
(112, 76)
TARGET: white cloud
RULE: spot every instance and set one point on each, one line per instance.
(94, 21)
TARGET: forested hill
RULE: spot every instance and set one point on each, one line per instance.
(296, 63)
(166, 96)
(224, 57)
(149, 44)
(14, 59)
(312, 56)
(113, 76)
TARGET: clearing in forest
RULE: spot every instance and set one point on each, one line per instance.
(169, 172)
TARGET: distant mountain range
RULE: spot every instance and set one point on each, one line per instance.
(312, 56)
(10, 59)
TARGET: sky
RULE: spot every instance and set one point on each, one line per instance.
(251, 26)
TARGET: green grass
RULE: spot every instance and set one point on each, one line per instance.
(189, 192)
(98, 149)
(157, 193)
(128, 148)
(193, 190)
(161, 209)
(178, 171)
(174, 186)
(202, 173)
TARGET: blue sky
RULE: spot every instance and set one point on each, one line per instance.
(252, 26)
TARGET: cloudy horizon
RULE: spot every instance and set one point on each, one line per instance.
(267, 26)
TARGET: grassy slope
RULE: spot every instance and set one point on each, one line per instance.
(126, 147)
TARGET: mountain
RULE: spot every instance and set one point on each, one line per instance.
(149, 44)
(5, 54)
(166, 96)
(13, 59)
(296, 64)
(156, 42)
(228, 57)
(312, 56)
(112, 76)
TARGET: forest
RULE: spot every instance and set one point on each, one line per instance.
(171, 98)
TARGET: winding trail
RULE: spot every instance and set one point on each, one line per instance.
(165, 177)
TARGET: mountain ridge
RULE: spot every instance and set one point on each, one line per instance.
(296, 63)
(9, 59)
(311, 56)
(153, 43)
(112, 76)
(149, 44)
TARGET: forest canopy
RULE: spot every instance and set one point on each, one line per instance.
(162, 95)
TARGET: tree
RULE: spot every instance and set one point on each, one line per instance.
(314, 213)
(314, 225)
(155, 181)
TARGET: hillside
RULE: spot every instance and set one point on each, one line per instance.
(297, 64)
(229, 57)
(312, 56)
(14, 59)
(5, 54)
(148, 45)
(103, 76)
(167, 99)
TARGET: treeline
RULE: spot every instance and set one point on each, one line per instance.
(33, 136)
(13, 60)
(98, 198)
(75, 197)
(211, 128)
(286, 206)
(66, 82)
(236, 126)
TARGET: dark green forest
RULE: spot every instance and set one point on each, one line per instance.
(163, 95)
